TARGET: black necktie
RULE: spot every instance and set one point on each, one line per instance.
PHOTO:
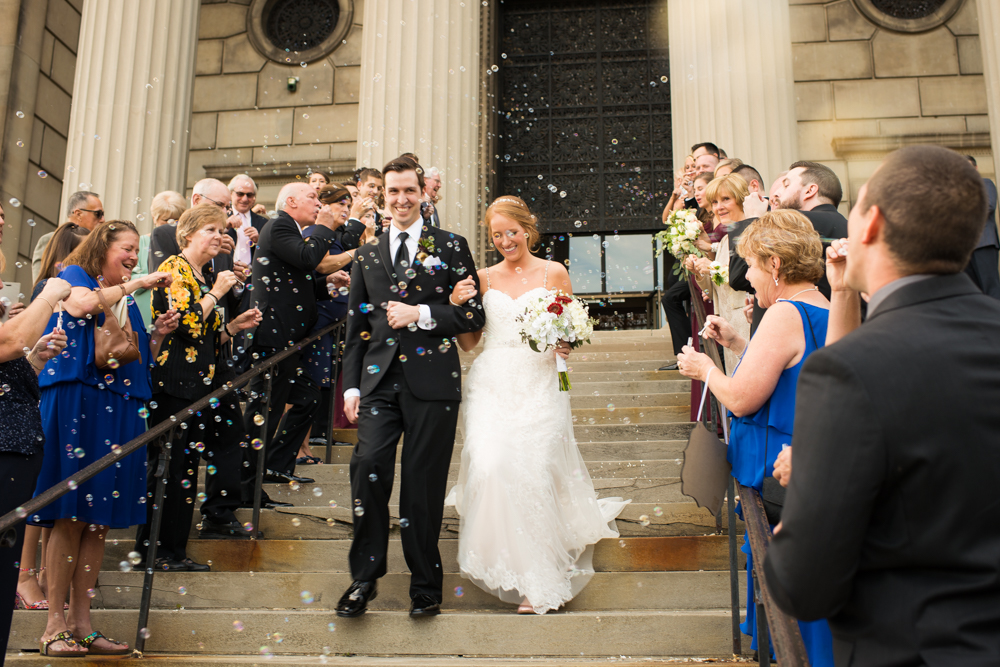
(402, 261)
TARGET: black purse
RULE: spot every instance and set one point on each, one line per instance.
(772, 492)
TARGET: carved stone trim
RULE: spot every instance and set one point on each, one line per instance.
(283, 172)
(257, 16)
(933, 20)
(876, 147)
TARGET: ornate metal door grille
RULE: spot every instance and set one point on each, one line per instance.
(584, 127)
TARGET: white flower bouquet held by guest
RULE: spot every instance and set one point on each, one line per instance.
(556, 317)
(719, 273)
(681, 236)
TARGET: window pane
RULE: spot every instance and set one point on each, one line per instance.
(629, 262)
(585, 264)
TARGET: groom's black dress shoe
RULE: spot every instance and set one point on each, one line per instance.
(355, 600)
(425, 605)
(285, 478)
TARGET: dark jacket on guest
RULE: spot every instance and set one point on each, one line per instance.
(284, 288)
(889, 526)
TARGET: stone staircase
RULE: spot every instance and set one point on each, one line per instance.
(662, 589)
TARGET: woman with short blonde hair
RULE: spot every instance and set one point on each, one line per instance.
(166, 208)
(783, 252)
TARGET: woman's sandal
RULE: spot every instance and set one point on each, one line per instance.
(67, 637)
(88, 643)
(525, 607)
(21, 603)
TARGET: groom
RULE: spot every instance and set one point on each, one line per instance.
(402, 376)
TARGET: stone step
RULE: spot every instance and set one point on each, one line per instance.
(627, 554)
(631, 399)
(623, 374)
(607, 591)
(336, 523)
(210, 660)
(576, 633)
(626, 387)
(638, 489)
(591, 451)
(648, 354)
(601, 347)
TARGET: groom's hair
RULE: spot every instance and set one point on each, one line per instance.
(403, 163)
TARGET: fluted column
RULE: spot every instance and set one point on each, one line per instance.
(420, 73)
(989, 38)
(128, 136)
(731, 79)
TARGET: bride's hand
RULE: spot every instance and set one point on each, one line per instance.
(464, 290)
(563, 349)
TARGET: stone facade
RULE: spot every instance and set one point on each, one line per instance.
(38, 47)
(245, 118)
(862, 91)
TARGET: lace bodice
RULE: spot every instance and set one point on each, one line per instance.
(502, 328)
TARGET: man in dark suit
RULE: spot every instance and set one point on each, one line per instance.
(888, 527)
(432, 188)
(285, 292)
(983, 265)
(402, 374)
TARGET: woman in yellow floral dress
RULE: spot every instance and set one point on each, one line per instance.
(185, 371)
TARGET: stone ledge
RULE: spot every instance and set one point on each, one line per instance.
(284, 172)
(859, 147)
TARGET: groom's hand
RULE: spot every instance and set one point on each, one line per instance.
(351, 405)
(401, 315)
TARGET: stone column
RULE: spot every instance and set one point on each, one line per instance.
(128, 135)
(731, 80)
(420, 76)
(989, 37)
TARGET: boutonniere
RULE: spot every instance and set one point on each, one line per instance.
(427, 244)
(426, 254)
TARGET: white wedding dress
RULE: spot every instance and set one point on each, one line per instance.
(529, 512)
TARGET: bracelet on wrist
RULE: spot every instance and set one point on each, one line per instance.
(228, 332)
(33, 365)
(46, 301)
(213, 296)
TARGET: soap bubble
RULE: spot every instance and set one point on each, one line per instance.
(258, 419)
(307, 597)
(134, 557)
(238, 626)
(643, 520)
(257, 443)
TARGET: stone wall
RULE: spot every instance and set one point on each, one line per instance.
(40, 64)
(246, 120)
(862, 91)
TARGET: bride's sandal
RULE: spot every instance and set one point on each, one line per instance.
(89, 640)
(525, 607)
(67, 638)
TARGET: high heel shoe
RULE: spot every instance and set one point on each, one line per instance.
(525, 607)
(21, 603)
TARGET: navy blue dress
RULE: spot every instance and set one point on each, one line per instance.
(86, 413)
(319, 357)
(754, 444)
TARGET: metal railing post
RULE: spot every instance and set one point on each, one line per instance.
(734, 569)
(161, 473)
(763, 638)
(338, 337)
(258, 485)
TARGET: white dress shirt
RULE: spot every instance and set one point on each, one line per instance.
(412, 245)
(242, 252)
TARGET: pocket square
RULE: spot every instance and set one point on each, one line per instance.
(431, 262)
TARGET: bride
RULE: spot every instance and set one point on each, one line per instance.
(529, 512)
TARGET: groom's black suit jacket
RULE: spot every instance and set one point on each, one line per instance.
(889, 528)
(432, 374)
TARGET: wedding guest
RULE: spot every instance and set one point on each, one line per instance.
(982, 266)
(785, 258)
(85, 209)
(683, 194)
(432, 195)
(21, 435)
(88, 412)
(727, 166)
(706, 156)
(318, 179)
(185, 370)
(166, 209)
(887, 527)
(31, 583)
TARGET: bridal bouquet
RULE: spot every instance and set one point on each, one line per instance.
(720, 274)
(552, 318)
(683, 229)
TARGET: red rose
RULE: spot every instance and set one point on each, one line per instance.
(564, 299)
(555, 308)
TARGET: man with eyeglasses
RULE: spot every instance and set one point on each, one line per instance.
(85, 209)
(246, 224)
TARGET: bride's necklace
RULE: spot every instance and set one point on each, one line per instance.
(811, 289)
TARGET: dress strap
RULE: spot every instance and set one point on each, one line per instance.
(545, 277)
(488, 286)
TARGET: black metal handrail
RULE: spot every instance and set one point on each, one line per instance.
(789, 649)
(164, 431)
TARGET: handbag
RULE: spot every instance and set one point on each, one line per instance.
(772, 492)
(112, 340)
(705, 472)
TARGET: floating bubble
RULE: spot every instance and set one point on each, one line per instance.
(366, 308)
(19, 114)
(296, 521)
(238, 626)
(145, 633)
(373, 369)
(307, 597)
(79, 453)
(373, 477)
(459, 591)
(331, 626)
(248, 527)
(404, 523)
(643, 520)
(134, 557)
(658, 511)
(333, 504)
(14, 201)
(201, 497)
(359, 511)
(611, 407)
(257, 443)
(258, 420)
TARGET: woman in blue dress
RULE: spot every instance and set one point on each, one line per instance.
(88, 412)
(784, 255)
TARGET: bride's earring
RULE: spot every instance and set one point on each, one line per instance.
(775, 282)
